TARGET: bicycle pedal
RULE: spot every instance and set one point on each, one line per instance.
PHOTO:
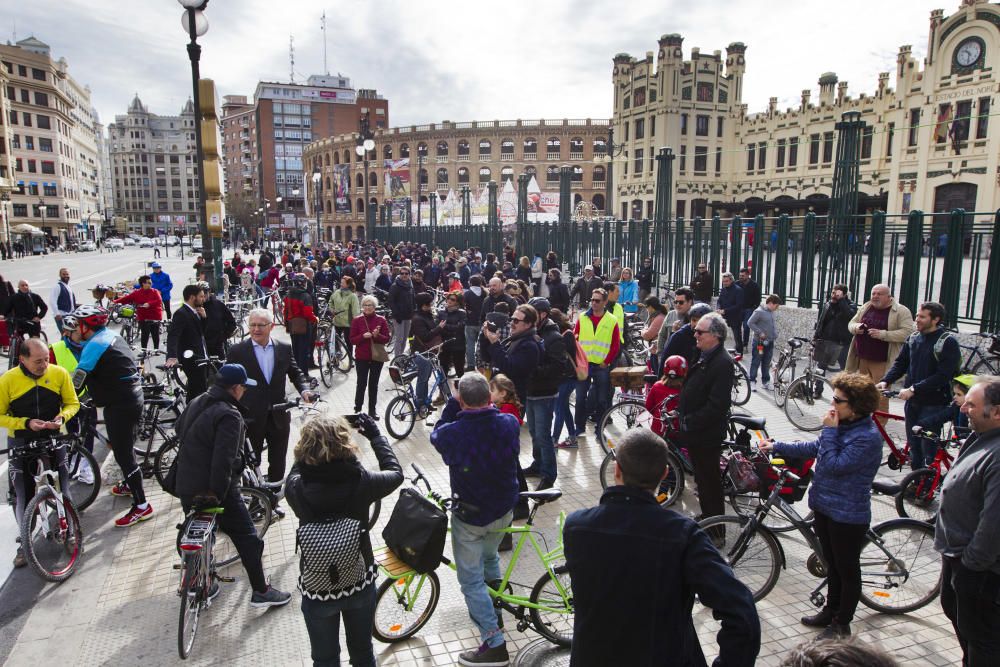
(225, 580)
(178, 566)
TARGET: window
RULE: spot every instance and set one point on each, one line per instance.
(761, 155)
(404, 150)
(442, 176)
(507, 174)
(29, 142)
(553, 147)
(963, 120)
(42, 122)
(684, 123)
(682, 161)
(530, 147)
(827, 146)
(652, 126)
(781, 153)
(577, 175)
(484, 174)
(463, 148)
(49, 189)
(718, 126)
(813, 148)
(27, 118)
(599, 175)
(701, 126)
(37, 74)
(32, 167)
(983, 121)
(639, 96)
(485, 148)
(700, 159)
(705, 92)
(866, 142)
(793, 151)
(914, 126)
(888, 139)
(751, 154)
(463, 175)
(638, 161)
(718, 162)
(25, 96)
(20, 210)
(552, 174)
(507, 147)
(41, 99)
(15, 141)
(421, 149)
(640, 128)
(22, 70)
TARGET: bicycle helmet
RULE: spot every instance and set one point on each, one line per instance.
(69, 323)
(92, 316)
(675, 366)
(966, 380)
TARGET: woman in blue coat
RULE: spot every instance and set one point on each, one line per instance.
(628, 292)
(848, 454)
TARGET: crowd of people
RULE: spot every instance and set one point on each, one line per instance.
(516, 341)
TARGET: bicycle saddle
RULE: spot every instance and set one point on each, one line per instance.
(794, 343)
(159, 401)
(542, 497)
(886, 487)
(747, 421)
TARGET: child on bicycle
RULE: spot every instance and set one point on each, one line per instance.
(666, 391)
(935, 422)
(504, 396)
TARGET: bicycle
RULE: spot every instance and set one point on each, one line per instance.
(23, 329)
(740, 394)
(50, 533)
(986, 363)
(402, 412)
(919, 496)
(804, 404)
(898, 457)
(900, 570)
(406, 600)
(332, 351)
(783, 369)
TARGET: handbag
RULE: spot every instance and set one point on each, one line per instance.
(379, 353)
(298, 325)
(582, 365)
(416, 531)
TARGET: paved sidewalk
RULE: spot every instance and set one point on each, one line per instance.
(121, 606)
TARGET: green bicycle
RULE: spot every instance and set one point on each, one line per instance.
(406, 599)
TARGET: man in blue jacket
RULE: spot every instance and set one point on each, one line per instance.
(614, 551)
(480, 446)
(929, 358)
(163, 284)
(730, 306)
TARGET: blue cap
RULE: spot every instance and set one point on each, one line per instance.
(233, 374)
(155, 265)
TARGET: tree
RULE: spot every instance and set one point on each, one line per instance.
(241, 208)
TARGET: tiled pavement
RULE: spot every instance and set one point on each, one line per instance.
(121, 606)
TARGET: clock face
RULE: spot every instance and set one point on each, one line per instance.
(968, 53)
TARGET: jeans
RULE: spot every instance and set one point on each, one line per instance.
(593, 396)
(539, 416)
(368, 372)
(423, 378)
(841, 545)
(745, 330)
(921, 451)
(323, 624)
(562, 413)
(971, 601)
(400, 333)
(761, 360)
(477, 561)
(471, 336)
(235, 522)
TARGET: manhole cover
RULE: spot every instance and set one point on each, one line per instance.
(542, 652)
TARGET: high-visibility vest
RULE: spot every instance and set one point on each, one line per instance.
(597, 345)
(619, 313)
(64, 356)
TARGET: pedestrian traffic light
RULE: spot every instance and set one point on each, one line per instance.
(211, 168)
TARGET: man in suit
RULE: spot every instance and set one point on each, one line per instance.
(187, 332)
(269, 362)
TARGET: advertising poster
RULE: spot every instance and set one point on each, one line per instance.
(342, 188)
(397, 177)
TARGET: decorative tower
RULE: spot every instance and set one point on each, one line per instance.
(735, 68)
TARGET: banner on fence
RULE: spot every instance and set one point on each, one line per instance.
(397, 177)
(342, 186)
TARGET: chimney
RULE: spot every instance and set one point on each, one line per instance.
(772, 106)
(841, 92)
(805, 99)
(827, 82)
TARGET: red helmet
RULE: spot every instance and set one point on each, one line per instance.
(675, 366)
(93, 316)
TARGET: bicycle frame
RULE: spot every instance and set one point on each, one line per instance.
(897, 458)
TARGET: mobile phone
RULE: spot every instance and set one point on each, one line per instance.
(352, 419)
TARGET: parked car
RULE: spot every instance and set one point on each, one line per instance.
(116, 244)
(86, 246)
(134, 237)
(145, 242)
(129, 240)
(172, 240)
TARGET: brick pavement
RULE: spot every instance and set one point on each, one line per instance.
(121, 605)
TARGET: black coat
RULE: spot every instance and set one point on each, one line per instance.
(211, 432)
(186, 332)
(629, 553)
(473, 307)
(490, 302)
(219, 326)
(25, 306)
(517, 357)
(702, 286)
(258, 400)
(751, 294)
(343, 488)
(706, 397)
(453, 331)
(833, 319)
(683, 343)
(400, 300)
(554, 367)
(584, 289)
(559, 296)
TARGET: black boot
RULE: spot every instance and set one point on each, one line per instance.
(506, 542)
(819, 620)
(835, 631)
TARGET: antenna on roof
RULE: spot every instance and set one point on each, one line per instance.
(322, 21)
(291, 56)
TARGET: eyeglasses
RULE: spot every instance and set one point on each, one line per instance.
(680, 302)
(698, 332)
(517, 319)
(838, 400)
(259, 325)
(597, 300)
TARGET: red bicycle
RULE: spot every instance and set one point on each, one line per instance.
(898, 456)
(919, 497)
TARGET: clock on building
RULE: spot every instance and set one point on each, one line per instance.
(968, 52)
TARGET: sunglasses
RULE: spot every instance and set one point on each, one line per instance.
(838, 400)
(698, 332)
(517, 319)
(680, 302)
(597, 300)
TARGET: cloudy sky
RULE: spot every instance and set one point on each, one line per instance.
(461, 60)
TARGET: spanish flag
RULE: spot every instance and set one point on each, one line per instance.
(943, 120)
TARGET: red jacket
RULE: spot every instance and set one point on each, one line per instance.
(297, 307)
(154, 309)
(361, 325)
(656, 395)
(511, 409)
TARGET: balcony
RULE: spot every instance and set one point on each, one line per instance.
(506, 157)
(441, 159)
(576, 156)
(462, 158)
(530, 156)
(485, 157)
(553, 156)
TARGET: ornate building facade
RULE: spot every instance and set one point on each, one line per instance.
(927, 144)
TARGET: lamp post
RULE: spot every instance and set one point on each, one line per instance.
(317, 177)
(195, 25)
(4, 199)
(608, 159)
(41, 212)
(90, 221)
(293, 204)
(365, 146)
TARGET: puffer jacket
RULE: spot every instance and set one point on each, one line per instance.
(211, 432)
(847, 458)
(344, 302)
(453, 331)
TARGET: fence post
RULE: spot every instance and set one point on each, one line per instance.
(758, 248)
(808, 261)
(990, 321)
(876, 252)
(678, 250)
(715, 251)
(910, 282)
(735, 240)
(951, 277)
(780, 284)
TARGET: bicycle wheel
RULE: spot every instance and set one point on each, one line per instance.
(258, 504)
(404, 605)
(781, 378)
(555, 621)
(619, 418)
(51, 544)
(900, 571)
(754, 555)
(400, 416)
(325, 365)
(148, 443)
(921, 495)
(342, 359)
(741, 385)
(84, 476)
(165, 456)
(190, 594)
(671, 487)
(808, 401)
(987, 366)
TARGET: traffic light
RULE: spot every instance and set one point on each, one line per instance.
(211, 167)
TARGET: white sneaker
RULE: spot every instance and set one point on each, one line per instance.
(85, 475)
(753, 385)
(768, 386)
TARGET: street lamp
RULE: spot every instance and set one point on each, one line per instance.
(317, 178)
(608, 159)
(293, 204)
(365, 146)
(4, 199)
(196, 25)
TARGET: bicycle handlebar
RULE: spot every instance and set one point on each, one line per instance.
(890, 393)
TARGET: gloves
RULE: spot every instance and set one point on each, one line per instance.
(368, 427)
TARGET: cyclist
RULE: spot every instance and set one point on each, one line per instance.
(36, 398)
(109, 370)
(26, 309)
(65, 352)
(149, 310)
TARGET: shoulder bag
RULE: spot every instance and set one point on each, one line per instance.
(379, 353)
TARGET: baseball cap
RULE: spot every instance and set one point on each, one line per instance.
(155, 265)
(233, 374)
(540, 304)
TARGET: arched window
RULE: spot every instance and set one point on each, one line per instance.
(463, 148)
(530, 148)
(598, 202)
(485, 148)
(530, 170)
(575, 145)
(336, 234)
(387, 152)
(359, 181)
(347, 234)
(442, 149)
(507, 148)
(372, 180)
(347, 157)
(336, 157)
(442, 176)
(552, 174)
(422, 149)
(577, 198)
(598, 175)
(404, 150)
(328, 183)
(361, 205)
(553, 148)
(484, 174)
(360, 234)
(423, 177)
(506, 174)
(600, 146)
(463, 175)
(326, 158)
(577, 174)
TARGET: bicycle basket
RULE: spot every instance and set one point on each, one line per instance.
(402, 376)
(742, 474)
(792, 491)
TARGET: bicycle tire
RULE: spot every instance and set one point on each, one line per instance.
(920, 497)
(741, 385)
(325, 365)
(390, 632)
(630, 413)
(671, 487)
(53, 547)
(82, 495)
(753, 554)
(190, 610)
(911, 545)
(544, 627)
(987, 366)
(342, 359)
(400, 417)
(258, 504)
(165, 456)
(804, 406)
